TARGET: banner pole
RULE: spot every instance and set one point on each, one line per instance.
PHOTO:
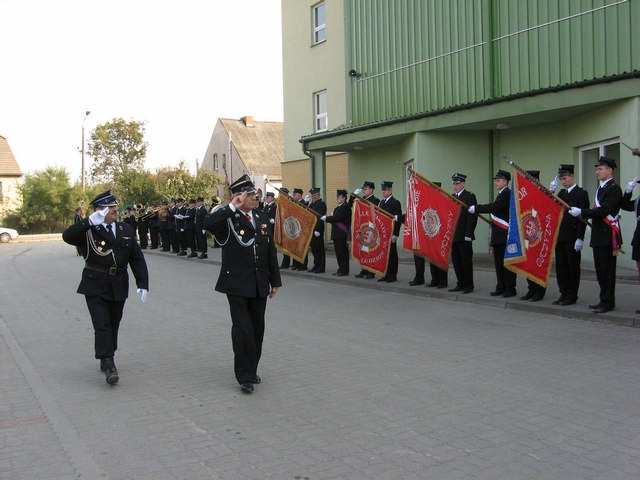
(377, 208)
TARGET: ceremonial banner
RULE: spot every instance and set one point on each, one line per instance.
(430, 222)
(533, 230)
(371, 229)
(293, 228)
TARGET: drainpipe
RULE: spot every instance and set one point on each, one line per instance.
(312, 163)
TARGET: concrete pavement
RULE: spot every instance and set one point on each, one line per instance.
(359, 383)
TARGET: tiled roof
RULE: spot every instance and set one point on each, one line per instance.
(260, 146)
(8, 165)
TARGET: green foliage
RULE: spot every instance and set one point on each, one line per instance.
(117, 147)
(178, 182)
(136, 187)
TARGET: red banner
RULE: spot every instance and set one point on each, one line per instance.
(538, 218)
(293, 228)
(371, 229)
(430, 221)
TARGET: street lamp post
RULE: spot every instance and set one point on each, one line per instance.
(86, 114)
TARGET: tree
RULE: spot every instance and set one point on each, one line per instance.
(178, 182)
(117, 147)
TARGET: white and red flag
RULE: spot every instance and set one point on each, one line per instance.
(371, 229)
(430, 221)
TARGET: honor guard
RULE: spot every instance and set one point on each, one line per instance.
(340, 221)
(317, 241)
(200, 230)
(570, 236)
(535, 292)
(108, 247)
(463, 236)
(393, 206)
(248, 276)
(365, 192)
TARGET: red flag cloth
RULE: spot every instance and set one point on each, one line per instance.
(430, 222)
(538, 218)
(371, 229)
(293, 228)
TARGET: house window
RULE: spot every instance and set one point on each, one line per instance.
(320, 111)
(319, 23)
(588, 157)
(215, 161)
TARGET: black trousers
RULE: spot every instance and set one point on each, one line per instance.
(201, 239)
(165, 238)
(154, 233)
(173, 239)
(462, 259)
(418, 262)
(605, 264)
(439, 277)
(143, 235)
(105, 316)
(342, 254)
(505, 279)
(568, 269)
(286, 261)
(247, 333)
(392, 266)
(317, 249)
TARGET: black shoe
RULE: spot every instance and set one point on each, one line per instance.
(360, 275)
(182, 254)
(527, 296)
(467, 290)
(257, 380)
(110, 371)
(415, 282)
(193, 255)
(382, 279)
(509, 294)
(283, 266)
(340, 274)
(595, 305)
(391, 280)
(203, 255)
(246, 388)
(496, 293)
(567, 301)
(602, 309)
(153, 248)
(637, 312)
(455, 289)
(432, 284)
(537, 298)
(559, 301)
(442, 286)
(317, 271)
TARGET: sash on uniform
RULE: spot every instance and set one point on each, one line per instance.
(614, 224)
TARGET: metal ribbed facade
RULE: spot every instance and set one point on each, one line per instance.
(418, 56)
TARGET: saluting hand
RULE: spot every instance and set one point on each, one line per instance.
(238, 200)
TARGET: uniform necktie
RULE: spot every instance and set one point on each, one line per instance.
(109, 226)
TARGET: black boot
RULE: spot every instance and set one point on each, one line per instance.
(108, 366)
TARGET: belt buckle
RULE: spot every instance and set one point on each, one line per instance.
(113, 270)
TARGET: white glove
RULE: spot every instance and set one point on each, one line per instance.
(578, 246)
(97, 217)
(307, 197)
(472, 209)
(272, 221)
(358, 191)
(316, 233)
(468, 239)
(631, 185)
(554, 184)
(395, 217)
(575, 211)
(394, 238)
(204, 232)
(142, 293)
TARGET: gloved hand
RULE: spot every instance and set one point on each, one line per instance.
(394, 238)
(554, 184)
(323, 218)
(472, 209)
(578, 245)
(307, 197)
(272, 221)
(468, 239)
(358, 191)
(204, 232)
(636, 152)
(575, 211)
(316, 233)
(142, 293)
(631, 185)
(97, 217)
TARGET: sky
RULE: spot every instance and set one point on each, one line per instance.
(178, 66)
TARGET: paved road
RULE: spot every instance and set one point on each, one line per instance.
(358, 384)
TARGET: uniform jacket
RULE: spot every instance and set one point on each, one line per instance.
(270, 211)
(321, 209)
(101, 250)
(499, 208)
(610, 198)
(392, 205)
(341, 222)
(631, 206)
(573, 228)
(201, 215)
(466, 225)
(249, 260)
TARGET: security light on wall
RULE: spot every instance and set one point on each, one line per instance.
(354, 74)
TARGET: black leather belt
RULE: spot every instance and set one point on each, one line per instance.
(111, 270)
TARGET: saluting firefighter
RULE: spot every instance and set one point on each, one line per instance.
(390, 204)
(248, 276)
(107, 247)
(341, 224)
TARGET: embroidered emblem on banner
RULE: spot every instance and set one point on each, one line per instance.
(531, 228)
(292, 227)
(369, 237)
(430, 222)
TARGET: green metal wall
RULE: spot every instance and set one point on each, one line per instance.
(419, 56)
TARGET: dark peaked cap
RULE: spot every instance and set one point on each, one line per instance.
(609, 162)
(105, 199)
(458, 177)
(565, 169)
(503, 174)
(243, 184)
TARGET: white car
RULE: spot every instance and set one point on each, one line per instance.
(7, 234)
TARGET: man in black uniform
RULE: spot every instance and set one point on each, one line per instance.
(605, 232)
(107, 247)
(341, 224)
(463, 236)
(570, 236)
(367, 193)
(200, 231)
(173, 232)
(269, 210)
(499, 210)
(248, 275)
(391, 205)
(143, 228)
(317, 241)
(190, 227)
(77, 218)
